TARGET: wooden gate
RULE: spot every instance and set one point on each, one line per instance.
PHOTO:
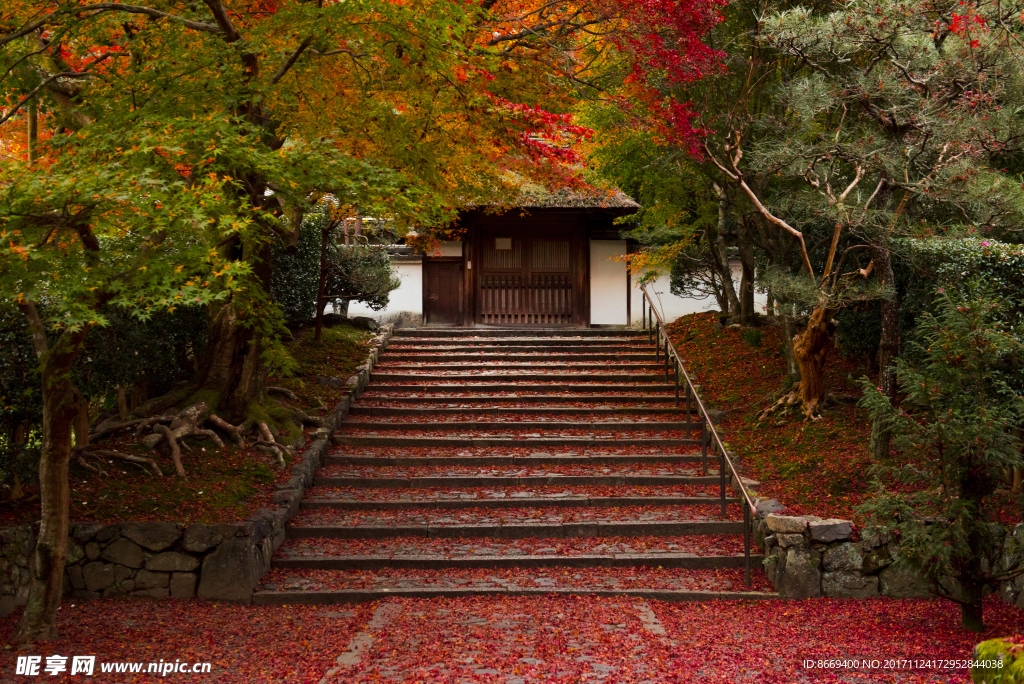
(527, 280)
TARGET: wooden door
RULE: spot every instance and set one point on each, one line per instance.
(442, 291)
(527, 278)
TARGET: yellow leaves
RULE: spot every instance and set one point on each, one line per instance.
(177, 269)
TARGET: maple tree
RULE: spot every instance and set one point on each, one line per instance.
(181, 142)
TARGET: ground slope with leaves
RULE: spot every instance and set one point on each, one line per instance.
(818, 467)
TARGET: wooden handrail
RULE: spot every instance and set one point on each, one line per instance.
(706, 424)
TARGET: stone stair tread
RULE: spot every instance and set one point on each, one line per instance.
(519, 530)
(390, 423)
(514, 473)
(468, 548)
(483, 496)
(518, 516)
(597, 578)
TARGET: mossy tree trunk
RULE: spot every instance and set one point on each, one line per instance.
(60, 411)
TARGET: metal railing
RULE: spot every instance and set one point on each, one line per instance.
(657, 334)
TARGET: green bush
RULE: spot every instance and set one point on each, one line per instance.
(296, 277)
(752, 336)
(1009, 652)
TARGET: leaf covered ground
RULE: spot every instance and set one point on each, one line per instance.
(817, 468)
(524, 639)
(223, 484)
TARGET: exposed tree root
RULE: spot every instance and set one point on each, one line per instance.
(283, 391)
(197, 419)
(791, 403)
(227, 427)
(168, 434)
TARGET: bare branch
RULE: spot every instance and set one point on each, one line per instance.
(35, 91)
(149, 12)
(291, 60)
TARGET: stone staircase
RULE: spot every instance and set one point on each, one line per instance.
(515, 462)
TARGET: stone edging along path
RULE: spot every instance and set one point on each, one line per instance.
(217, 562)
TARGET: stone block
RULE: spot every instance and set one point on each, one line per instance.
(108, 533)
(848, 585)
(230, 572)
(831, 530)
(902, 581)
(121, 573)
(155, 536)
(183, 585)
(75, 553)
(200, 538)
(76, 577)
(172, 561)
(98, 576)
(771, 566)
(145, 579)
(843, 558)
(114, 592)
(155, 593)
(83, 532)
(788, 540)
(92, 551)
(85, 595)
(787, 524)
(128, 585)
(124, 552)
(801, 576)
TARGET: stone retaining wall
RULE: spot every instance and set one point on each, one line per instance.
(808, 557)
(220, 562)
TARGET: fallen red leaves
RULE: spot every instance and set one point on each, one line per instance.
(815, 468)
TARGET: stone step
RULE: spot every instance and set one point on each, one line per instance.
(384, 411)
(522, 481)
(394, 355)
(388, 366)
(517, 531)
(519, 387)
(524, 341)
(481, 561)
(527, 346)
(528, 460)
(499, 441)
(350, 596)
(518, 376)
(618, 399)
(499, 425)
(516, 332)
(318, 503)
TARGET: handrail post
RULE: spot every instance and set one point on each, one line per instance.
(650, 329)
(657, 344)
(704, 441)
(666, 356)
(675, 365)
(721, 478)
(746, 539)
(688, 403)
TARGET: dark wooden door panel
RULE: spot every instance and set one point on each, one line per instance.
(442, 292)
(527, 277)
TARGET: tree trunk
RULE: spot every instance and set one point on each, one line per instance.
(788, 333)
(321, 290)
(720, 256)
(811, 348)
(60, 410)
(888, 348)
(747, 313)
(232, 366)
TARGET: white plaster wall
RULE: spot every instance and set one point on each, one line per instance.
(672, 307)
(408, 296)
(607, 282)
(449, 249)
